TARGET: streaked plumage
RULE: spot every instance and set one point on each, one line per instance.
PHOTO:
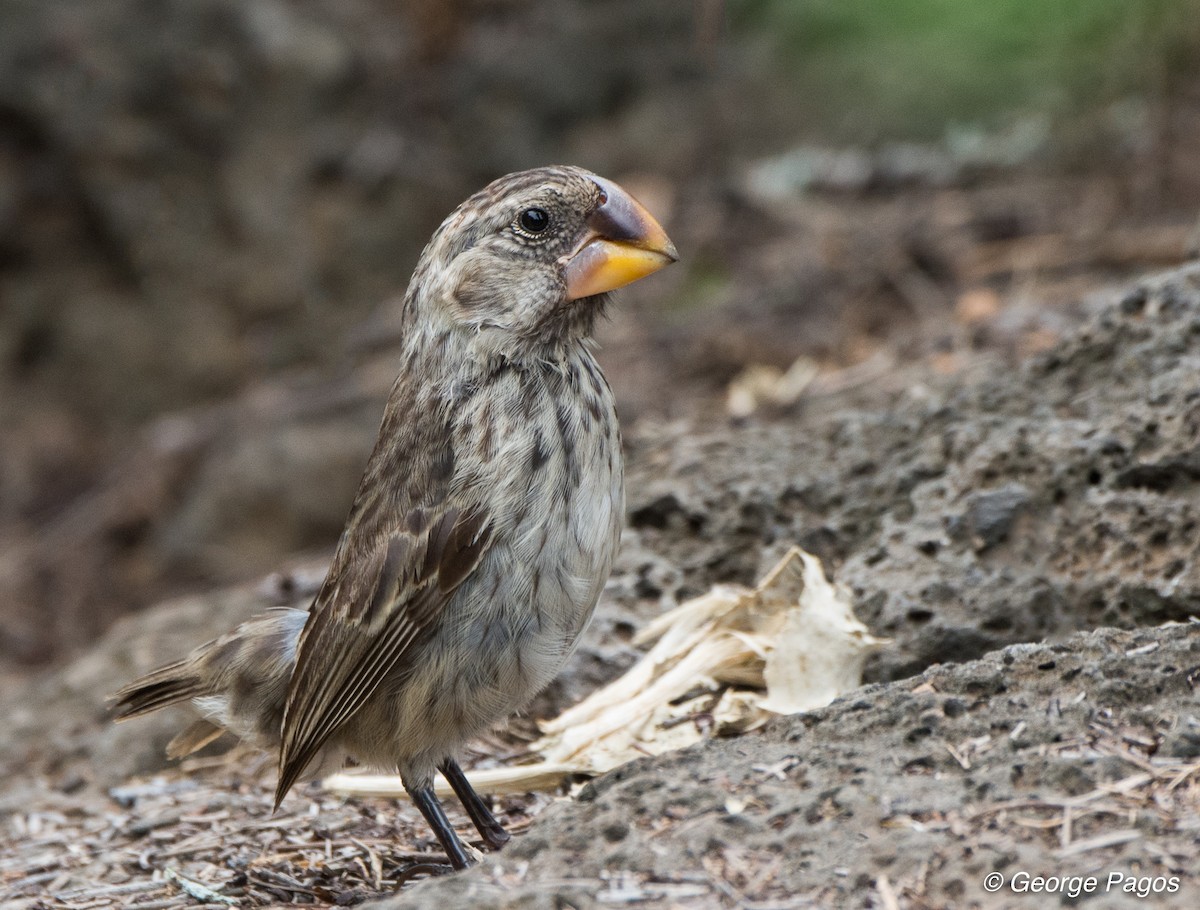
(486, 522)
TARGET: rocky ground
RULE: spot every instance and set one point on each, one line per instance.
(1077, 759)
(1026, 535)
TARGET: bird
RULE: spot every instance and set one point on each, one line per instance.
(484, 527)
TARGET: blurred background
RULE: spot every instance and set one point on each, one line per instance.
(208, 209)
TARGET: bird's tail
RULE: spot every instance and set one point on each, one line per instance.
(238, 682)
(165, 686)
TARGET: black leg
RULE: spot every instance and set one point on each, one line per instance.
(432, 810)
(489, 828)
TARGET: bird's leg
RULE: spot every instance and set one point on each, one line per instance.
(436, 816)
(489, 828)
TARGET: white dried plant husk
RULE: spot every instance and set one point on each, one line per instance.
(723, 662)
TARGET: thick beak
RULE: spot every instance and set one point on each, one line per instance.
(624, 243)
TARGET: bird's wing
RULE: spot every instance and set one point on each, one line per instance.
(379, 595)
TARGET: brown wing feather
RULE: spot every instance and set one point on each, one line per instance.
(357, 633)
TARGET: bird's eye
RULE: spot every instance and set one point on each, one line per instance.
(534, 220)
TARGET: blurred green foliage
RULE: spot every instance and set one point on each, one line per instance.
(862, 70)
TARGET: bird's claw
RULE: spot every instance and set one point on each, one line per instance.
(408, 873)
(494, 837)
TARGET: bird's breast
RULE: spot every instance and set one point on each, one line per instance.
(538, 451)
(553, 474)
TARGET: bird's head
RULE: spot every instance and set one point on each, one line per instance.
(527, 261)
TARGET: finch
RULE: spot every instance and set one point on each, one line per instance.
(485, 524)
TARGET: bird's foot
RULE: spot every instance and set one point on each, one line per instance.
(429, 870)
(490, 830)
(494, 837)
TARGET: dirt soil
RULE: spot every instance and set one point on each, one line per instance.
(1025, 534)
